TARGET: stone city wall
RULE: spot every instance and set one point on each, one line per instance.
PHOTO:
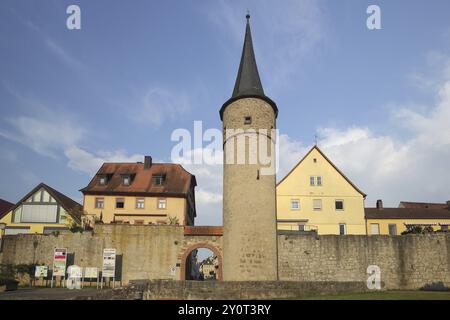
(406, 262)
(154, 252)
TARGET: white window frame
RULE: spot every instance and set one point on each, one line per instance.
(162, 203)
(343, 206)
(316, 208)
(103, 203)
(295, 201)
(312, 181)
(371, 228)
(138, 202)
(319, 178)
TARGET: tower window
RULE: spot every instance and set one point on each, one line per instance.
(248, 120)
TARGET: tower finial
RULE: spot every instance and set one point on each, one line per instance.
(248, 15)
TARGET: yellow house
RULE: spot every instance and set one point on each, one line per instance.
(141, 193)
(394, 221)
(316, 196)
(43, 210)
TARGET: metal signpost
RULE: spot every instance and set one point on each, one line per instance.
(90, 273)
(109, 265)
(40, 272)
(59, 264)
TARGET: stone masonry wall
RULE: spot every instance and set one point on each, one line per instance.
(406, 262)
(147, 252)
(150, 252)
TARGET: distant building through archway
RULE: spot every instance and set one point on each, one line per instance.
(198, 237)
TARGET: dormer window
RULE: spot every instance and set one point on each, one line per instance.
(158, 178)
(126, 180)
(102, 181)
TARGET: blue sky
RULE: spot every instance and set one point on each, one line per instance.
(379, 100)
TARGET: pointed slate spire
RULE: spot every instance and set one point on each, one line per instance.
(248, 84)
(247, 80)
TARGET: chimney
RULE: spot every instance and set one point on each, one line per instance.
(448, 204)
(147, 162)
(379, 204)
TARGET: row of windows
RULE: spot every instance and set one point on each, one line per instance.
(139, 203)
(157, 179)
(317, 204)
(342, 228)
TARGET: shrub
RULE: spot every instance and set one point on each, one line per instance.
(76, 228)
(417, 229)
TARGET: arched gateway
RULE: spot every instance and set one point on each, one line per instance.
(201, 237)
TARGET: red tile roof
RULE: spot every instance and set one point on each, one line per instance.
(177, 181)
(5, 207)
(423, 205)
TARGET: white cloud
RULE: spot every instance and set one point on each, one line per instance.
(89, 163)
(209, 176)
(206, 197)
(45, 134)
(414, 167)
(55, 132)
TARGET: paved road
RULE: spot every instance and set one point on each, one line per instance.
(47, 294)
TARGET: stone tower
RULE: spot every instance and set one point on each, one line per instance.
(249, 199)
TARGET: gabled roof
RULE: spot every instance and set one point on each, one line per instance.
(406, 213)
(177, 181)
(315, 147)
(5, 207)
(248, 84)
(73, 208)
(423, 205)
